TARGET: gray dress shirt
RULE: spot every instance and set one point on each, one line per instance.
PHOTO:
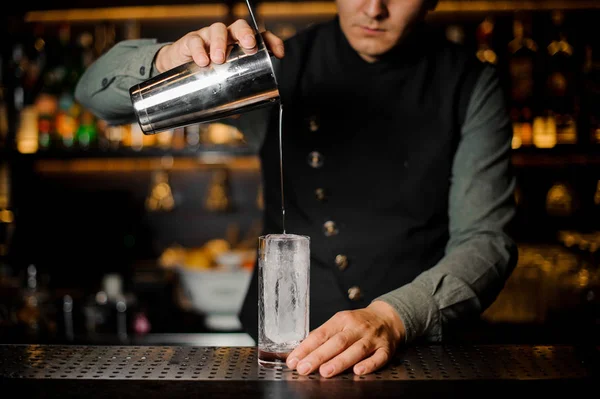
(480, 254)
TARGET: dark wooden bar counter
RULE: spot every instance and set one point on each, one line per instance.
(28, 371)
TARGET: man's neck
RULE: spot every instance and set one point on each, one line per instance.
(369, 58)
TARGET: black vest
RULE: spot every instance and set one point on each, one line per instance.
(368, 151)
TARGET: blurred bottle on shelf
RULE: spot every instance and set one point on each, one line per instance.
(165, 139)
(562, 201)
(484, 35)
(591, 93)
(220, 134)
(160, 197)
(59, 62)
(3, 118)
(46, 106)
(3, 107)
(7, 219)
(36, 315)
(560, 99)
(86, 135)
(71, 63)
(544, 131)
(104, 37)
(178, 140)
(27, 131)
(137, 137)
(522, 53)
(594, 215)
(17, 68)
(218, 198)
(455, 33)
(193, 134)
(66, 120)
(29, 59)
(114, 136)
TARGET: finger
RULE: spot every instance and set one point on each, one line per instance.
(196, 47)
(373, 363)
(358, 351)
(241, 32)
(217, 33)
(331, 348)
(274, 43)
(315, 339)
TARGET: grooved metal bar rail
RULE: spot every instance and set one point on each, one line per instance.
(180, 371)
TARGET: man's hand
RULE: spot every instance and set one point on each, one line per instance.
(364, 338)
(210, 44)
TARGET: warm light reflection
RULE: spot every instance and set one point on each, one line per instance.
(6, 216)
(27, 133)
(107, 165)
(36, 355)
(278, 10)
(205, 11)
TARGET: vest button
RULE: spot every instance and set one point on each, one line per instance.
(321, 194)
(315, 159)
(341, 261)
(330, 228)
(313, 125)
(354, 293)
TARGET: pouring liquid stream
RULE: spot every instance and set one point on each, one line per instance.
(281, 165)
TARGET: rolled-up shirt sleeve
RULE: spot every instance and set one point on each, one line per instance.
(480, 254)
(104, 86)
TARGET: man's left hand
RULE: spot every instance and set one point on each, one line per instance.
(364, 338)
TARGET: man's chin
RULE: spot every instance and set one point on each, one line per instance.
(371, 52)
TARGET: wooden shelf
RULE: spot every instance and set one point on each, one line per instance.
(137, 165)
(140, 13)
(554, 158)
(281, 10)
(515, 5)
(328, 8)
(130, 160)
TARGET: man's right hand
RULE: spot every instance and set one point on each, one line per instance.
(209, 44)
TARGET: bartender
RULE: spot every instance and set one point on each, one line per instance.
(397, 157)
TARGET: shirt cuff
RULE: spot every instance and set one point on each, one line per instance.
(141, 63)
(417, 310)
(138, 65)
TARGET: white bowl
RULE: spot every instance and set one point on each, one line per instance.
(215, 292)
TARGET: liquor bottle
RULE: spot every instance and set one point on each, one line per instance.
(3, 109)
(544, 131)
(46, 105)
(18, 70)
(7, 220)
(218, 198)
(485, 51)
(27, 135)
(561, 200)
(3, 120)
(560, 100)
(66, 120)
(591, 93)
(33, 63)
(455, 33)
(86, 135)
(522, 53)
